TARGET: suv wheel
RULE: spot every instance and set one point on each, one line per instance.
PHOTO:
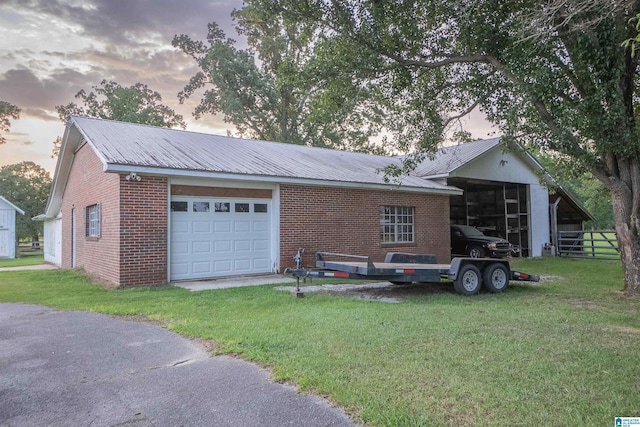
(476, 252)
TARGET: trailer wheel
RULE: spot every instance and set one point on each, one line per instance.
(495, 278)
(468, 281)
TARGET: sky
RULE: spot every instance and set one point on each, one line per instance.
(51, 49)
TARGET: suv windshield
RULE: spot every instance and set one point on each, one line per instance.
(468, 231)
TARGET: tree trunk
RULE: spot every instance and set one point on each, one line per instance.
(628, 234)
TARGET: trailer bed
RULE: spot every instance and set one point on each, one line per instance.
(467, 274)
(366, 269)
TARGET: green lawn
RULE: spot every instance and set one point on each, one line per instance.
(24, 258)
(563, 352)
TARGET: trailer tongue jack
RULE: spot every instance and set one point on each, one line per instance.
(468, 274)
(298, 259)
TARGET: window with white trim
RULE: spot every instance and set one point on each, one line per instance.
(92, 221)
(396, 224)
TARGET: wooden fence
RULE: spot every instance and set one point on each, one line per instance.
(28, 246)
(599, 244)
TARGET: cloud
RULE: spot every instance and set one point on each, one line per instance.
(134, 22)
(38, 95)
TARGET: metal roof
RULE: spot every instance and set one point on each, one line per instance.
(133, 145)
(17, 209)
(448, 159)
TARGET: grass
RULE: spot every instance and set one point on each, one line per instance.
(23, 259)
(563, 352)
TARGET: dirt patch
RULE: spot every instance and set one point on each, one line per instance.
(624, 329)
(549, 278)
(379, 291)
(143, 318)
(210, 346)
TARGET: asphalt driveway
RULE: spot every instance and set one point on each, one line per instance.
(80, 369)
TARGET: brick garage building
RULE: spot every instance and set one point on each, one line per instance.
(138, 205)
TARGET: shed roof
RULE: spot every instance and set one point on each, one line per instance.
(448, 159)
(17, 209)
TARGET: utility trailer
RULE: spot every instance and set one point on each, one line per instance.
(468, 274)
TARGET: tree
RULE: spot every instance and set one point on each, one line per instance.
(27, 186)
(7, 111)
(553, 74)
(273, 90)
(133, 104)
(594, 196)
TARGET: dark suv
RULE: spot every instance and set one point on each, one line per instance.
(470, 241)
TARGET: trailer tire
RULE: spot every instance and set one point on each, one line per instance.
(495, 278)
(468, 281)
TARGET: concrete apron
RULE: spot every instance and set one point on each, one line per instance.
(30, 267)
(234, 282)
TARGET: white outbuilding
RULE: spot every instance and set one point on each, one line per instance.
(8, 228)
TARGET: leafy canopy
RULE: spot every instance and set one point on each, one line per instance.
(8, 111)
(274, 89)
(26, 185)
(133, 104)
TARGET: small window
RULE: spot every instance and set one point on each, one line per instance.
(201, 206)
(221, 207)
(396, 224)
(242, 207)
(179, 206)
(92, 221)
(260, 208)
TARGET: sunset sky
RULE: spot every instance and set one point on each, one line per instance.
(51, 49)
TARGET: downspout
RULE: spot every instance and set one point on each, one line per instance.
(554, 224)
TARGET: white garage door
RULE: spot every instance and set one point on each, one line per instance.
(219, 237)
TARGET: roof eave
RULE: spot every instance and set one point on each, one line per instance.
(182, 173)
(17, 209)
(71, 139)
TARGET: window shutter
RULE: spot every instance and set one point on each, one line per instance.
(85, 214)
(99, 231)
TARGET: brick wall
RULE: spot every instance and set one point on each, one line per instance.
(132, 247)
(143, 231)
(89, 185)
(348, 221)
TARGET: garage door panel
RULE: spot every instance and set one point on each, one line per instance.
(201, 226)
(181, 268)
(180, 227)
(260, 245)
(242, 226)
(180, 248)
(231, 237)
(222, 266)
(202, 247)
(242, 265)
(242, 246)
(260, 226)
(222, 246)
(261, 263)
(222, 226)
(202, 267)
